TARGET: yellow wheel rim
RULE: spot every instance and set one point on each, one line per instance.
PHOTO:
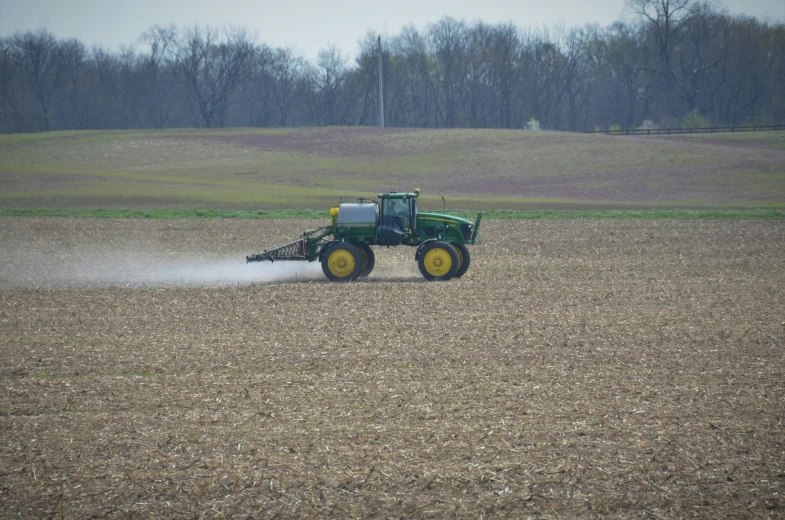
(437, 262)
(341, 263)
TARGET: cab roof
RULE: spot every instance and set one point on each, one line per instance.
(399, 195)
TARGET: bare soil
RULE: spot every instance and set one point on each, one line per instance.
(580, 369)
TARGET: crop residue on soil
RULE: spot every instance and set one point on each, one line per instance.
(581, 368)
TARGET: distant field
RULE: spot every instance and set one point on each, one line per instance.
(252, 169)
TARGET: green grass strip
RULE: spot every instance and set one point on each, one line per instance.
(645, 214)
(165, 213)
(649, 214)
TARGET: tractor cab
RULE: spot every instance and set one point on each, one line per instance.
(397, 217)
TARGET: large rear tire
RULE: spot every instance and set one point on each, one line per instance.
(342, 262)
(438, 261)
(369, 259)
(464, 259)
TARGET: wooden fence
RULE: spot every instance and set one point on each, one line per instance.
(707, 130)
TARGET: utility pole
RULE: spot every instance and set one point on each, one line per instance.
(381, 87)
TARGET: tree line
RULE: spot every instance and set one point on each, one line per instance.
(670, 63)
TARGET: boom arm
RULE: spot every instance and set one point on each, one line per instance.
(306, 248)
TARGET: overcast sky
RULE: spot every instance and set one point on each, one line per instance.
(310, 25)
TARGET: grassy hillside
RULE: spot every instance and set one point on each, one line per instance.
(253, 169)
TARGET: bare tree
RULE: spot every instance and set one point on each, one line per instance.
(411, 92)
(212, 65)
(287, 72)
(329, 103)
(670, 57)
(364, 82)
(480, 88)
(449, 44)
(663, 19)
(775, 80)
(75, 98)
(505, 61)
(10, 111)
(256, 89)
(37, 55)
(157, 73)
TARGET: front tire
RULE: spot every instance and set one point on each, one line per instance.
(438, 261)
(342, 262)
(369, 260)
(464, 259)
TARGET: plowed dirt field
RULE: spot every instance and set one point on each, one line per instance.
(580, 369)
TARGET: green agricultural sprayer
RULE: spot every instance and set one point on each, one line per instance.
(344, 246)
